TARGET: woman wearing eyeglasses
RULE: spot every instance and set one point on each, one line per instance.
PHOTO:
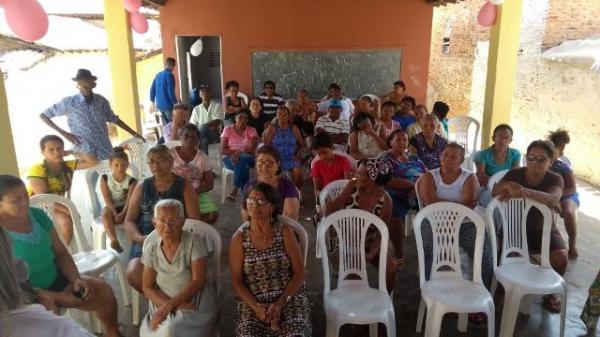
(537, 182)
(267, 271)
(268, 166)
(163, 184)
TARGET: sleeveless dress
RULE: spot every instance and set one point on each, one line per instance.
(150, 197)
(285, 143)
(266, 274)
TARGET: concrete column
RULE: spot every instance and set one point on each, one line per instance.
(8, 164)
(122, 65)
(502, 66)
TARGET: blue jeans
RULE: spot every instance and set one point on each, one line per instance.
(167, 115)
(208, 136)
(241, 170)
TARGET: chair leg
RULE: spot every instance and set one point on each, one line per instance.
(563, 310)
(390, 325)
(420, 317)
(122, 283)
(373, 330)
(99, 235)
(463, 321)
(135, 307)
(433, 322)
(509, 312)
(332, 327)
(223, 186)
(494, 286)
(491, 319)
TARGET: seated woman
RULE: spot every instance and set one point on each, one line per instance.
(256, 117)
(405, 115)
(451, 183)
(496, 158)
(163, 184)
(569, 201)
(238, 143)
(366, 104)
(364, 142)
(193, 165)
(367, 192)
(413, 129)
(175, 263)
(22, 320)
(54, 176)
(232, 103)
(406, 169)
(267, 271)
(427, 144)
(287, 139)
(538, 182)
(51, 267)
(386, 124)
(268, 165)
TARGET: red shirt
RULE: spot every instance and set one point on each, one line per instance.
(327, 172)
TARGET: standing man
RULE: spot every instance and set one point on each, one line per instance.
(270, 99)
(87, 114)
(162, 92)
(207, 116)
(335, 93)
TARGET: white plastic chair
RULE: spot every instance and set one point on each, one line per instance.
(353, 301)
(214, 245)
(494, 179)
(172, 143)
(301, 233)
(329, 192)
(458, 131)
(137, 150)
(88, 262)
(446, 290)
(92, 176)
(226, 175)
(516, 274)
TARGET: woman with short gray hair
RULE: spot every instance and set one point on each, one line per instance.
(182, 303)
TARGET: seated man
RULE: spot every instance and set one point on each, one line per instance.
(172, 131)
(335, 93)
(207, 116)
(336, 126)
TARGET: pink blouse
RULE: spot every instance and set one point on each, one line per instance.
(237, 142)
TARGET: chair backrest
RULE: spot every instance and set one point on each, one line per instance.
(419, 200)
(494, 179)
(469, 162)
(47, 203)
(513, 221)
(331, 191)
(172, 143)
(92, 176)
(458, 131)
(351, 226)
(352, 160)
(215, 244)
(137, 150)
(445, 219)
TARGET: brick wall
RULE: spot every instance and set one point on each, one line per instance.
(571, 20)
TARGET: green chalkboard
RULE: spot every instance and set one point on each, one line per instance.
(356, 71)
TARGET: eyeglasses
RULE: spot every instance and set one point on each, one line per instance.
(539, 159)
(267, 163)
(256, 202)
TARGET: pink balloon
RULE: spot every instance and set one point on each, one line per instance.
(138, 22)
(487, 15)
(132, 6)
(26, 18)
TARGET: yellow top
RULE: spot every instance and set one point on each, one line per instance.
(57, 184)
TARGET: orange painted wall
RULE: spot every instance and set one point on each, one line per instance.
(252, 25)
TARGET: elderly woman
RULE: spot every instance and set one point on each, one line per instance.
(163, 184)
(268, 165)
(22, 320)
(267, 271)
(386, 124)
(367, 192)
(538, 182)
(451, 183)
(193, 165)
(288, 141)
(182, 303)
(406, 169)
(238, 143)
(51, 268)
(54, 176)
(428, 145)
(364, 141)
(413, 129)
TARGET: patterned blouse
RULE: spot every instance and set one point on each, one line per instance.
(429, 155)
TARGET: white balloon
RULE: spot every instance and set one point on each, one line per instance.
(196, 48)
(497, 2)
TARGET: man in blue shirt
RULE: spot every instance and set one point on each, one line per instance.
(162, 92)
(87, 114)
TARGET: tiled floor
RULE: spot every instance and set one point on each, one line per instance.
(406, 294)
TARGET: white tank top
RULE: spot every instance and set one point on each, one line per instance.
(452, 192)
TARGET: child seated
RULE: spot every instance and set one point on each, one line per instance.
(116, 188)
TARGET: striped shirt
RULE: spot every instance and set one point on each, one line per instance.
(270, 105)
(341, 125)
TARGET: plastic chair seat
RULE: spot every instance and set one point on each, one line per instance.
(457, 295)
(532, 278)
(94, 262)
(357, 304)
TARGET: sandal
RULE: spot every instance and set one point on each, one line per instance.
(552, 303)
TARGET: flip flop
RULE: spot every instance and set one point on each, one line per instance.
(552, 303)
